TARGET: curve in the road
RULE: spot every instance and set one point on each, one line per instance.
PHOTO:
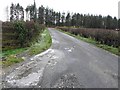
(68, 63)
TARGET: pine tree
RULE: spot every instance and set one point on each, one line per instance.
(41, 15)
(68, 20)
(46, 16)
(12, 12)
(53, 17)
(74, 20)
(109, 22)
(35, 11)
(63, 19)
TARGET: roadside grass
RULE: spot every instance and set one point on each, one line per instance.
(111, 49)
(12, 59)
(9, 57)
(43, 43)
(13, 51)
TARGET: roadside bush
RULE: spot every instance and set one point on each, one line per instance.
(20, 34)
(28, 32)
(103, 36)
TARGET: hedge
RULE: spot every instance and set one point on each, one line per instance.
(20, 34)
(103, 36)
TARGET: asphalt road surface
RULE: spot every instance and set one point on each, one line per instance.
(69, 63)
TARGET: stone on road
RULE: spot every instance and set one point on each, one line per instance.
(69, 63)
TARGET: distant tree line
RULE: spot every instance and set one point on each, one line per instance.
(49, 17)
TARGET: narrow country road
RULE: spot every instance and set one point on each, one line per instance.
(68, 63)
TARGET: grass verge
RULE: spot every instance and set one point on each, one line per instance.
(111, 49)
(43, 43)
(9, 57)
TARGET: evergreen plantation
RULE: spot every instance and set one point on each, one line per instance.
(49, 17)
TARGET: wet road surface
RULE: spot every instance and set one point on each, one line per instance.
(68, 63)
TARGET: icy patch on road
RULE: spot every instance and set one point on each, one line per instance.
(54, 57)
(30, 80)
(41, 54)
(69, 49)
(55, 41)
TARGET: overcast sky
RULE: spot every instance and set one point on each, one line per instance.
(95, 7)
